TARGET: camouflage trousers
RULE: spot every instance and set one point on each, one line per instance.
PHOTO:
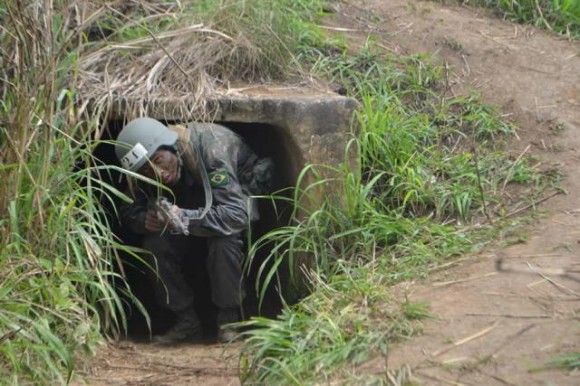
(173, 290)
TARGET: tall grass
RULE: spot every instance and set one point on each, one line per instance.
(262, 36)
(273, 29)
(61, 287)
(57, 253)
(426, 166)
(560, 16)
(428, 183)
(568, 361)
(348, 317)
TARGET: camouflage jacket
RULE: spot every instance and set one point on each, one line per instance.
(235, 173)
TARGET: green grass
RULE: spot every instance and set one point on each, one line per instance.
(348, 318)
(427, 166)
(560, 16)
(262, 36)
(570, 362)
(57, 269)
(59, 288)
(429, 185)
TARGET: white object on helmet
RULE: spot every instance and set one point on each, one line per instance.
(134, 156)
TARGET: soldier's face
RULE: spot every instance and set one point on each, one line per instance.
(163, 167)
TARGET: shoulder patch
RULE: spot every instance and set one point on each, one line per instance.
(218, 178)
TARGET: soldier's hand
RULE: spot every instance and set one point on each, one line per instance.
(176, 211)
(153, 222)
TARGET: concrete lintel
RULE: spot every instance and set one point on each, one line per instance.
(319, 125)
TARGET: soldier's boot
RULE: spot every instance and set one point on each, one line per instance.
(227, 333)
(187, 328)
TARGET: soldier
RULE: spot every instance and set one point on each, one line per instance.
(203, 159)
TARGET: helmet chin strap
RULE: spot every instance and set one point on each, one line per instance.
(204, 180)
(195, 162)
(179, 164)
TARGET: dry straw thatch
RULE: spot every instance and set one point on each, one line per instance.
(136, 56)
(182, 67)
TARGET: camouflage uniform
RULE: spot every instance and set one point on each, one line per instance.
(235, 173)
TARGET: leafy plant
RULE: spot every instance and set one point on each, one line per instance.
(61, 287)
(347, 318)
(570, 361)
(426, 165)
(561, 16)
(567, 361)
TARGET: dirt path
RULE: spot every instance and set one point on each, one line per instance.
(129, 363)
(492, 327)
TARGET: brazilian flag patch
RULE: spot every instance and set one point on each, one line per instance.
(218, 178)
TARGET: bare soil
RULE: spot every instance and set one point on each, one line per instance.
(491, 327)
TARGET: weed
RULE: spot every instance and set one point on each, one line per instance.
(426, 166)
(561, 16)
(454, 45)
(567, 361)
(60, 287)
(556, 128)
(348, 317)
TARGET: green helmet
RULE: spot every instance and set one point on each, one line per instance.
(139, 139)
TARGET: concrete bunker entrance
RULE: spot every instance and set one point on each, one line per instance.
(293, 130)
(267, 141)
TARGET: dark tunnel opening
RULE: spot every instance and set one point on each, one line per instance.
(266, 141)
